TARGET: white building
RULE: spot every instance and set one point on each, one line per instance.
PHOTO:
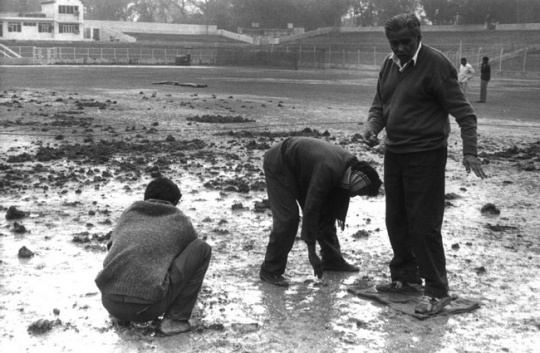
(58, 20)
(63, 20)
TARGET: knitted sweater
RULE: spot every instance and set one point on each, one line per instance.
(414, 105)
(146, 239)
(318, 168)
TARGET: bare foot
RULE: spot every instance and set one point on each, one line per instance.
(173, 327)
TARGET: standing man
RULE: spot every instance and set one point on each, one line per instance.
(466, 73)
(485, 76)
(156, 264)
(320, 177)
(417, 89)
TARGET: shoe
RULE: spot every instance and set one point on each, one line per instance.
(398, 287)
(339, 265)
(276, 280)
(430, 305)
(119, 323)
(173, 327)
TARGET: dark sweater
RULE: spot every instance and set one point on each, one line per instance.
(485, 72)
(318, 167)
(414, 105)
(146, 239)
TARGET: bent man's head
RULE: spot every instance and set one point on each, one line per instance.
(163, 189)
(364, 180)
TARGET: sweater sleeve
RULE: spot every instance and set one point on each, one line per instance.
(375, 120)
(455, 102)
(317, 193)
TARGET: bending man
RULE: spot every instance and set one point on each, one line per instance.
(321, 178)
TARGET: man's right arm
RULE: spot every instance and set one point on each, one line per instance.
(375, 120)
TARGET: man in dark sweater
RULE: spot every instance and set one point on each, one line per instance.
(321, 178)
(156, 264)
(485, 77)
(416, 91)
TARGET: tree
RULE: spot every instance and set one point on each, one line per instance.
(385, 9)
(475, 11)
(107, 10)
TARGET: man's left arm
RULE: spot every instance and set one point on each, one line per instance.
(458, 106)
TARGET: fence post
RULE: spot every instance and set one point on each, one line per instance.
(478, 59)
(114, 53)
(87, 53)
(74, 53)
(374, 55)
(525, 58)
(500, 60)
(101, 54)
(152, 53)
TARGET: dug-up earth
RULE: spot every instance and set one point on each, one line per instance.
(71, 161)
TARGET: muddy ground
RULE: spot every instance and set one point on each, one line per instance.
(80, 145)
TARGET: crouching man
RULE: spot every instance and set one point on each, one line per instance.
(156, 263)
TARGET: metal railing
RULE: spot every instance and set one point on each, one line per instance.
(290, 57)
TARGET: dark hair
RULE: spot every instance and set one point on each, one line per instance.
(485, 58)
(372, 189)
(406, 20)
(164, 189)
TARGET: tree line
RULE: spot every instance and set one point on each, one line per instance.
(309, 14)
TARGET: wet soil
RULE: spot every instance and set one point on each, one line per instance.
(72, 160)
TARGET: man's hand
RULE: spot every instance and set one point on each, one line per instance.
(370, 138)
(472, 162)
(315, 261)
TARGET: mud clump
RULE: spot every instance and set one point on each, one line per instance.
(220, 119)
(14, 213)
(490, 209)
(25, 253)
(42, 326)
(19, 228)
(261, 206)
(362, 233)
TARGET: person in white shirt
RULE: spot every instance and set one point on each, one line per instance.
(466, 72)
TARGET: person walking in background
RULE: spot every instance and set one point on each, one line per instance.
(466, 73)
(320, 177)
(416, 91)
(485, 76)
(156, 263)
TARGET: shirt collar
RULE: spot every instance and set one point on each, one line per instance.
(396, 60)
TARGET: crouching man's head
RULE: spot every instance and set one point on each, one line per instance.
(363, 180)
(163, 189)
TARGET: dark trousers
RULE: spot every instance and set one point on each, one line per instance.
(483, 90)
(415, 186)
(283, 194)
(186, 276)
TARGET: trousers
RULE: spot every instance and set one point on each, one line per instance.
(186, 276)
(415, 187)
(283, 194)
(483, 90)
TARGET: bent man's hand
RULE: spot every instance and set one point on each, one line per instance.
(370, 138)
(472, 162)
(316, 263)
